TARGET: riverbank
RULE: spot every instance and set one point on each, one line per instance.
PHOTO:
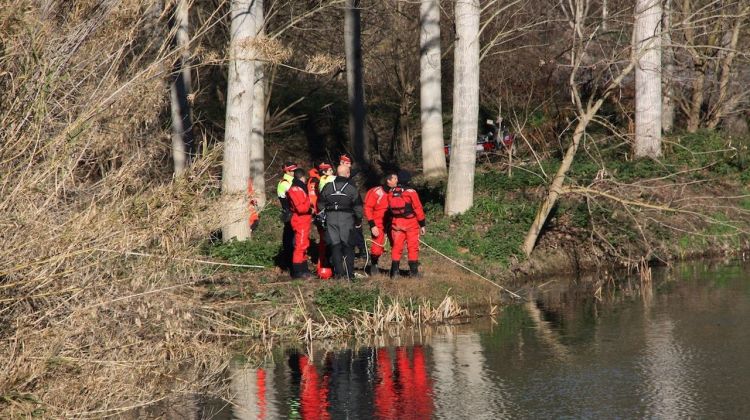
(120, 300)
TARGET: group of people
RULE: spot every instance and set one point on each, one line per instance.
(334, 205)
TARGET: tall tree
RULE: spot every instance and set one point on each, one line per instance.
(180, 90)
(355, 81)
(460, 193)
(433, 158)
(647, 39)
(257, 136)
(238, 128)
(667, 101)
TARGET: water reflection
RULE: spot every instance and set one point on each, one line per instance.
(252, 389)
(679, 350)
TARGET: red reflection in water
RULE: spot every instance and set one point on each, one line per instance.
(314, 398)
(261, 380)
(385, 392)
(410, 396)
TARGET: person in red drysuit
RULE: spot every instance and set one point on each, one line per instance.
(376, 213)
(313, 188)
(301, 208)
(407, 224)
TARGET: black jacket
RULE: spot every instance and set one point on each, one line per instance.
(340, 195)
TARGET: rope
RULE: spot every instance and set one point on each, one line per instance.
(470, 270)
(143, 254)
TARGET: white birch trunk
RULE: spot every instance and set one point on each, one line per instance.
(667, 101)
(257, 137)
(355, 82)
(179, 90)
(460, 193)
(238, 129)
(433, 157)
(648, 100)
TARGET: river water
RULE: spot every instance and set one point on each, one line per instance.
(680, 348)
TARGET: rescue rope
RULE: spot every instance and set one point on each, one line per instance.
(143, 254)
(515, 295)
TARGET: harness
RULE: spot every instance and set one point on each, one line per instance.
(336, 205)
(399, 205)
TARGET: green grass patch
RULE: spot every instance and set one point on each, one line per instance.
(341, 300)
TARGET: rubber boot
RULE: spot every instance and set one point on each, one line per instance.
(394, 269)
(304, 271)
(373, 263)
(414, 269)
(337, 260)
(294, 271)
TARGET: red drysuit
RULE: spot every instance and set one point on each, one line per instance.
(408, 216)
(299, 204)
(375, 208)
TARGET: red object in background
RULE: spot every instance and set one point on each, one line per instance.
(325, 273)
(313, 393)
(508, 140)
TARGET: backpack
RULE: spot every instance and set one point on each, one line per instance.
(398, 204)
(342, 202)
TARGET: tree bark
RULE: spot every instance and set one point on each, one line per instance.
(355, 82)
(667, 102)
(723, 105)
(179, 91)
(648, 99)
(431, 106)
(238, 130)
(257, 137)
(460, 192)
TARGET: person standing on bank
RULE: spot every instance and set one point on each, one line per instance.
(325, 174)
(343, 206)
(378, 217)
(301, 209)
(358, 240)
(408, 223)
(287, 238)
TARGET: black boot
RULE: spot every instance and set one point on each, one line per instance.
(373, 264)
(337, 260)
(300, 271)
(394, 269)
(414, 269)
(304, 271)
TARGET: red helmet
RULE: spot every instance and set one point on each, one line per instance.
(325, 273)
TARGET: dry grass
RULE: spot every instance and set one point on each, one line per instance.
(84, 167)
(86, 328)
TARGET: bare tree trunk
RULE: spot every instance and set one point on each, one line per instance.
(355, 82)
(605, 15)
(723, 105)
(667, 101)
(696, 99)
(585, 113)
(648, 100)
(179, 91)
(238, 130)
(433, 157)
(257, 137)
(460, 193)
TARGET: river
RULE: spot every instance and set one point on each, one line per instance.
(680, 348)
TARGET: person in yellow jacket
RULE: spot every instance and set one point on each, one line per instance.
(326, 175)
(287, 238)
